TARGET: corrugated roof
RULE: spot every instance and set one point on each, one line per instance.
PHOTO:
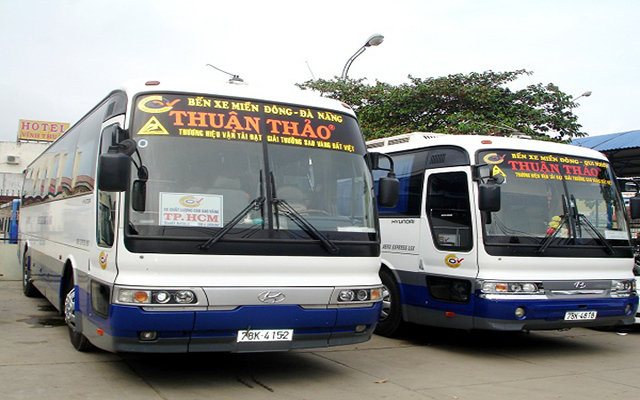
(613, 141)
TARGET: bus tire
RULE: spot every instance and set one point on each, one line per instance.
(78, 340)
(28, 288)
(391, 323)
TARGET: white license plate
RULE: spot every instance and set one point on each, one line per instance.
(580, 315)
(265, 335)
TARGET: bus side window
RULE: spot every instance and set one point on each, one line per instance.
(409, 170)
(448, 211)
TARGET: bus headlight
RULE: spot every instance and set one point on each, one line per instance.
(488, 287)
(623, 288)
(358, 295)
(346, 295)
(162, 297)
(185, 297)
(145, 297)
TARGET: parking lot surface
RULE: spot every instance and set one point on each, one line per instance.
(38, 362)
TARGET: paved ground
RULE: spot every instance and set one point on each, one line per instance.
(37, 362)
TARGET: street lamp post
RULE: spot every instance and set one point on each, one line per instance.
(585, 94)
(374, 40)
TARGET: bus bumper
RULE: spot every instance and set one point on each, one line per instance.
(216, 331)
(541, 315)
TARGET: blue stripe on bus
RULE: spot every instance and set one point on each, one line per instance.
(126, 321)
(550, 310)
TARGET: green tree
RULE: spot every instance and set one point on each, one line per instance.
(476, 103)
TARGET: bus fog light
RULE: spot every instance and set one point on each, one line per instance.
(520, 312)
(147, 336)
(360, 328)
(346, 295)
(627, 309)
(185, 296)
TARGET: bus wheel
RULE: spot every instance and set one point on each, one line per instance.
(28, 288)
(391, 323)
(78, 340)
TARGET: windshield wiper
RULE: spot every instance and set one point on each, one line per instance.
(305, 225)
(255, 205)
(579, 216)
(549, 238)
(604, 241)
(572, 215)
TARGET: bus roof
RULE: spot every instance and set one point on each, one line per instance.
(208, 86)
(475, 143)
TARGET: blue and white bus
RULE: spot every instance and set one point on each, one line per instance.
(181, 216)
(503, 234)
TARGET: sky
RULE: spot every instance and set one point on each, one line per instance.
(60, 58)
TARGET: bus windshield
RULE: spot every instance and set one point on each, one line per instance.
(262, 167)
(553, 200)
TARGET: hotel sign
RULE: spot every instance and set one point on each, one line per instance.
(40, 131)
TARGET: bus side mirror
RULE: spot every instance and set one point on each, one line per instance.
(388, 191)
(389, 186)
(139, 195)
(489, 197)
(634, 205)
(114, 170)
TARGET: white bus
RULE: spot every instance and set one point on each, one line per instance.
(180, 216)
(503, 234)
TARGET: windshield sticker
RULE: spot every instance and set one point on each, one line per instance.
(615, 235)
(526, 165)
(183, 209)
(222, 119)
(153, 127)
(362, 229)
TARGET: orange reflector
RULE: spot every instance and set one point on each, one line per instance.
(450, 314)
(152, 83)
(141, 296)
(100, 331)
(486, 142)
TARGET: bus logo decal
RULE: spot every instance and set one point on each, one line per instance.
(155, 105)
(494, 158)
(271, 297)
(103, 260)
(579, 285)
(153, 127)
(453, 261)
(190, 201)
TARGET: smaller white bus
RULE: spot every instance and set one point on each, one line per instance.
(503, 234)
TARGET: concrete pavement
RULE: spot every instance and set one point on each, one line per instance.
(37, 361)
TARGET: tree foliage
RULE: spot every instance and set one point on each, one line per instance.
(477, 103)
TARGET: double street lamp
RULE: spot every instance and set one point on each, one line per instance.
(374, 40)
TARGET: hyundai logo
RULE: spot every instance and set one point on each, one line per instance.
(579, 285)
(271, 297)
